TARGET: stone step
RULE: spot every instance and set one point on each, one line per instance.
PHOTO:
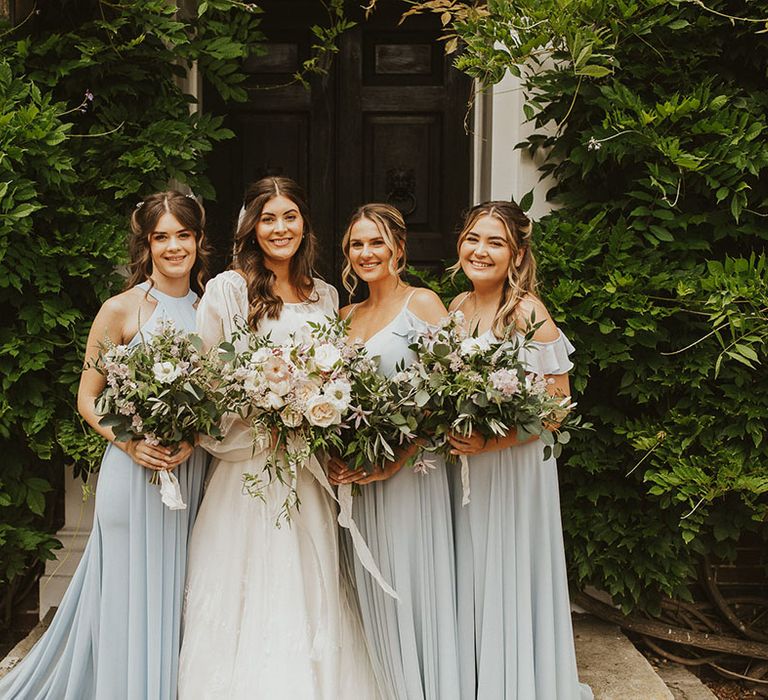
(616, 670)
(682, 683)
(22, 648)
(611, 665)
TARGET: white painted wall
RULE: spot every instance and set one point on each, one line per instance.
(78, 520)
(501, 170)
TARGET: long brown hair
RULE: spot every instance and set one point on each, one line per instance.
(391, 225)
(249, 257)
(189, 213)
(520, 279)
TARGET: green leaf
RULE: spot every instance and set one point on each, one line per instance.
(526, 201)
(36, 502)
(594, 71)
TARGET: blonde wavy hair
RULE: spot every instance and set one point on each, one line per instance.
(391, 225)
(520, 279)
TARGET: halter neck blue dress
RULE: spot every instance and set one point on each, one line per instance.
(116, 634)
(406, 521)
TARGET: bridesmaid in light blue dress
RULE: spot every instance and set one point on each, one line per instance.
(116, 634)
(516, 638)
(404, 515)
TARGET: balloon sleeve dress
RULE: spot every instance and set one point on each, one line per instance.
(266, 614)
(516, 638)
(116, 634)
(406, 521)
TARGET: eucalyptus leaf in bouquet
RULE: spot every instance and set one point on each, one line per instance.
(384, 415)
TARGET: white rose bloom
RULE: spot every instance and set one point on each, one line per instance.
(274, 401)
(470, 346)
(291, 417)
(339, 392)
(303, 336)
(322, 412)
(305, 390)
(280, 388)
(260, 356)
(326, 357)
(165, 372)
(252, 383)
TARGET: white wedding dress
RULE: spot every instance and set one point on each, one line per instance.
(266, 613)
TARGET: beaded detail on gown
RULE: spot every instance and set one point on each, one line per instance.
(116, 634)
(516, 639)
(406, 521)
(266, 610)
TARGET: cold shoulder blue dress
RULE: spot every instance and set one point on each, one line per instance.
(516, 638)
(116, 634)
(406, 521)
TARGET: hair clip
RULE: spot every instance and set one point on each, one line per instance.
(139, 205)
(191, 196)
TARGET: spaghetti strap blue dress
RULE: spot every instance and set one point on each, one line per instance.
(406, 521)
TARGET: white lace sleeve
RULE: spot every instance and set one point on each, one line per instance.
(225, 300)
(550, 357)
(329, 297)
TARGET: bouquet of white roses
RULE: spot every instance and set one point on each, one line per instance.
(160, 390)
(469, 383)
(294, 395)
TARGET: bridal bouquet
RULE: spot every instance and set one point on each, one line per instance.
(160, 390)
(295, 396)
(469, 383)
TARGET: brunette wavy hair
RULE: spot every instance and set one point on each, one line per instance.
(520, 279)
(391, 225)
(189, 213)
(249, 257)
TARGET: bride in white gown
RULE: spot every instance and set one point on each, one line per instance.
(266, 612)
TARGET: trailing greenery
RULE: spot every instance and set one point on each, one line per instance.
(92, 118)
(653, 116)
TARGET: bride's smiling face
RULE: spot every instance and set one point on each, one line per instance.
(279, 229)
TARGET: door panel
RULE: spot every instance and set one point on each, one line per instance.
(385, 124)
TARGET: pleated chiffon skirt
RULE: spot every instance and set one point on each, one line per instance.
(516, 637)
(406, 521)
(116, 634)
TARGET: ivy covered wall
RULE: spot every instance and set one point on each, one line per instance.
(92, 118)
(653, 263)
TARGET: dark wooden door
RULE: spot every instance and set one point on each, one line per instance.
(385, 124)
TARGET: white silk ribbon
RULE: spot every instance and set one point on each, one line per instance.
(464, 479)
(170, 490)
(345, 520)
